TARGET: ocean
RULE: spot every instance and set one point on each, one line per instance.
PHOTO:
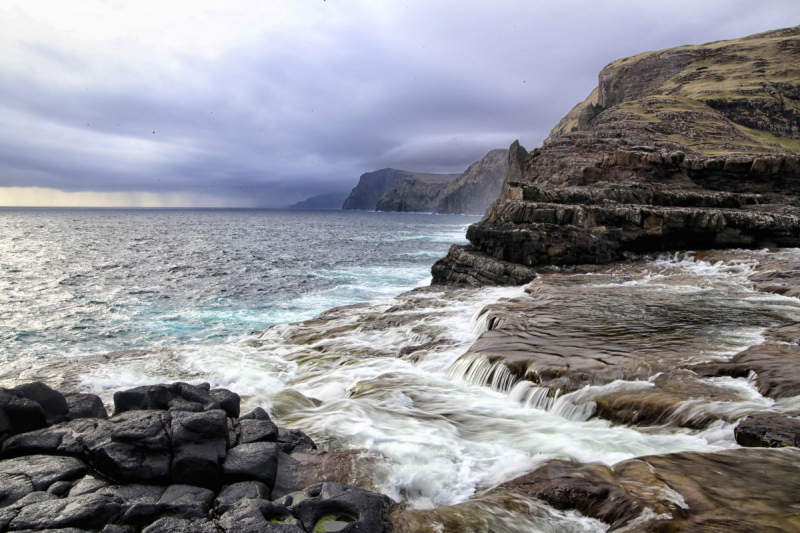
(325, 319)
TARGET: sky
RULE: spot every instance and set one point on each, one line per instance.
(264, 103)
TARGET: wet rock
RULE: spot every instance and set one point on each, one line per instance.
(294, 440)
(142, 398)
(53, 402)
(257, 461)
(228, 401)
(91, 511)
(199, 443)
(259, 516)
(181, 525)
(61, 439)
(360, 510)
(687, 491)
(23, 475)
(85, 406)
(244, 490)
(194, 394)
(257, 431)
(21, 414)
(768, 430)
(87, 485)
(465, 265)
(132, 447)
(60, 488)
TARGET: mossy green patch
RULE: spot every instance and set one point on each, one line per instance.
(332, 522)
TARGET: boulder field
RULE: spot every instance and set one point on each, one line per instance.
(171, 458)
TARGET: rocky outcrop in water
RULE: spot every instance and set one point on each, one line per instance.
(332, 200)
(372, 186)
(418, 193)
(477, 187)
(172, 458)
(693, 147)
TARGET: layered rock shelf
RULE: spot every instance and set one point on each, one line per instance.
(172, 458)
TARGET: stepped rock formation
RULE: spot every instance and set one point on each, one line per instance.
(477, 187)
(416, 193)
(694, 147)
(372, 186)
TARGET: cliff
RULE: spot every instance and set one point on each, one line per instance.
(373, 185)
(477, 187)
(416, 193)
(692, 147)
(331, 200)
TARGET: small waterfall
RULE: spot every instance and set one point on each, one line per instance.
(476, 369)
(530, 395)
(483, 320)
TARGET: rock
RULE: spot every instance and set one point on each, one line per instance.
(361, 510)
(60, 488)
(228, 401)
(768, 430)
(699, 172)
(53, 402)
(259, 516)
(231, 494)
(477, 187)
(139, 503)
(61, 439)
(87, 485)
(85, 406)
(257, 461)
(466, 266)
(420, 193)
(24, 475)
(131, 447)
(257, 431)
(199, 443)
(90, 511)
(186, 501)
(291, 440)
(21, 413)
(180, 525)
(142, 398)
(195, 394)
(372, 186)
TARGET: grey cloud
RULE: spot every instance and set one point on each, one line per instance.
(278, 118)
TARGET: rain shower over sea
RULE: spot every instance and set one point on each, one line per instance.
(324, 319)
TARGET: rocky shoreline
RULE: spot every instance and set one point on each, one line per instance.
(171, 458)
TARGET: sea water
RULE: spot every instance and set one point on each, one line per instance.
(81, 281)
(305, 314)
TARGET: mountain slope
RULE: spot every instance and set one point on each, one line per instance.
(477, 187)
(692, 147)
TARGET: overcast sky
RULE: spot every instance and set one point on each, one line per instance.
(264, 103)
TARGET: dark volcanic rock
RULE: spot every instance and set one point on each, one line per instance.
(361, 510)
(198, 442)
(245, 490)
(85, 406)
(53, 402)
(768, 430)
(228, 401)
(259, 516)
(180, 525)
(417, 193)
(257, 461)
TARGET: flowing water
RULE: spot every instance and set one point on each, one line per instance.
(383, 371)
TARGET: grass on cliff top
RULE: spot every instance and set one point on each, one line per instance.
(711, 133)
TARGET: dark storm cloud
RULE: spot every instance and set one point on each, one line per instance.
(281, 115)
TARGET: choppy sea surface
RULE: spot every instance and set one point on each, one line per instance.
(80, 281)
(306, 314)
